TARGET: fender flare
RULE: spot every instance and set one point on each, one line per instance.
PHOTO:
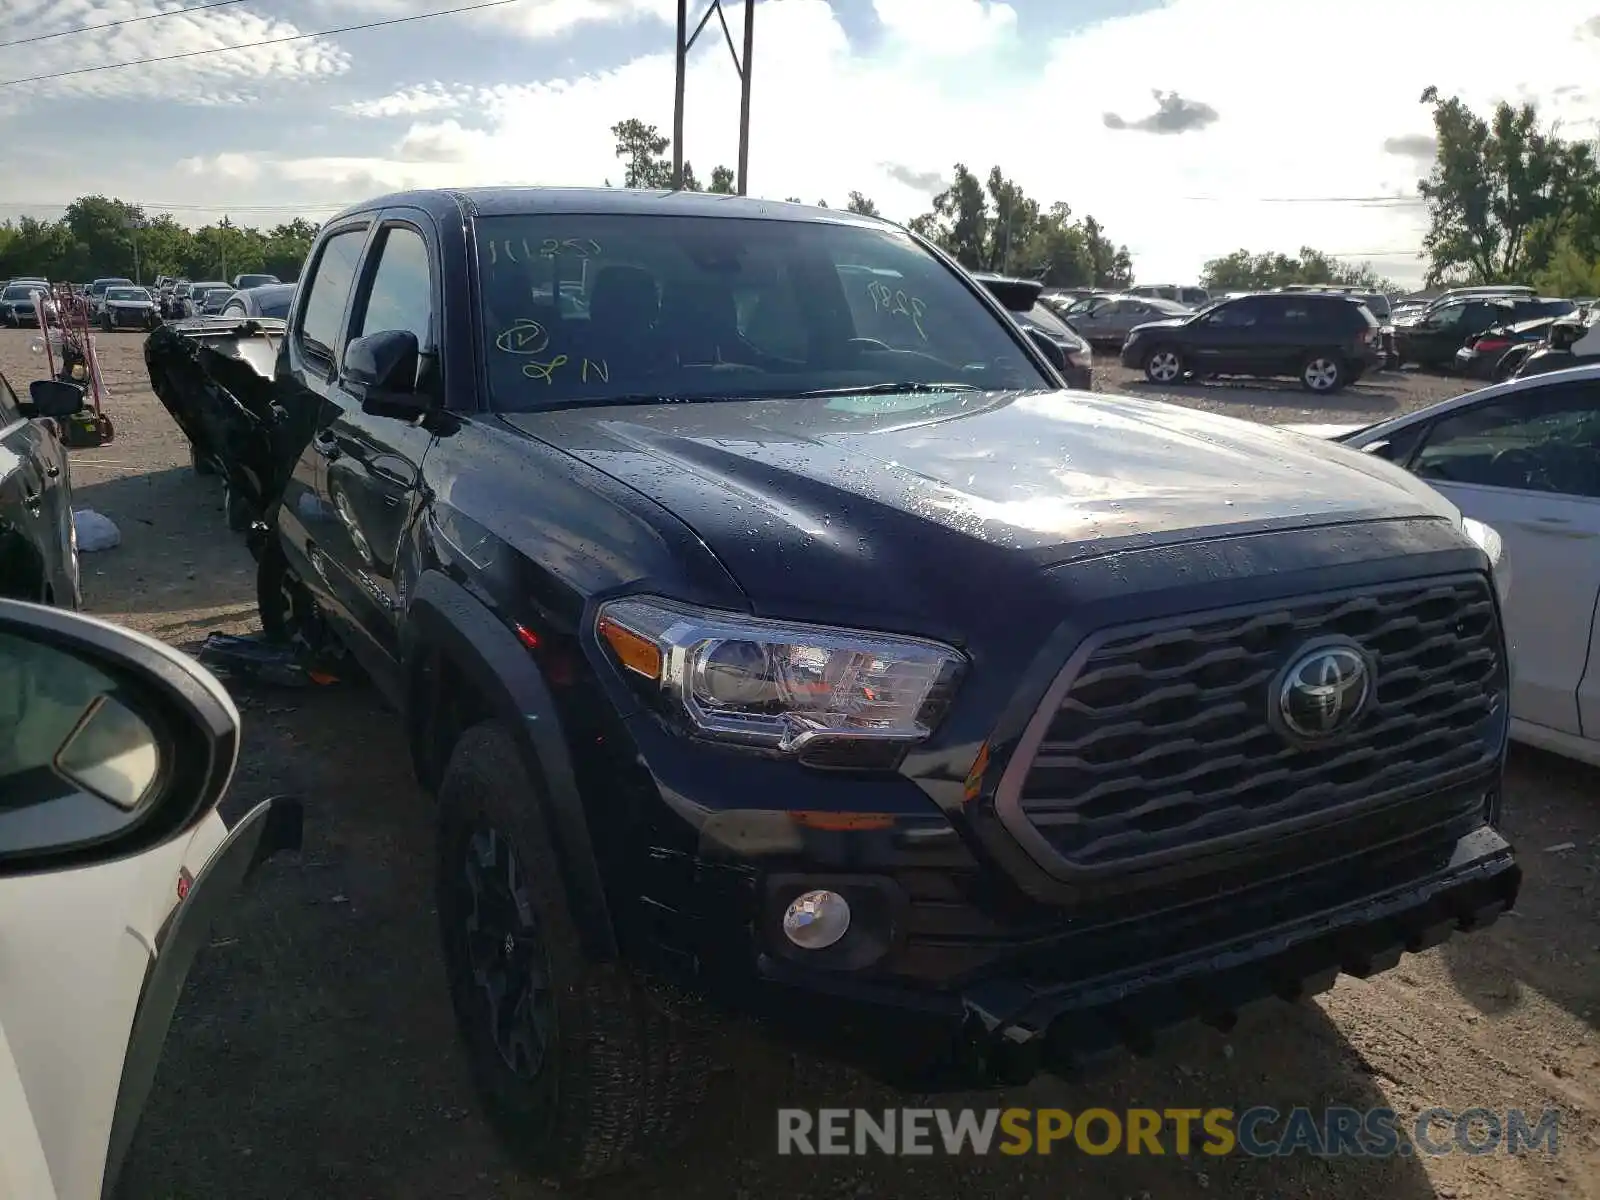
(443, 616)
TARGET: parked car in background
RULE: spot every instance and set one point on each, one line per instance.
(128, 308)
(96, 291)
(1325, 341)
(1432, 341)
(38, 542)
(245, 282)
(1571, 342)
(1069, 353)
(20, 303)
(175, 301)
(1108, 319)
(207, 297)
(115, 750)
(269, 300)
(1190, 297)
(1497, 352)
(1523, 457)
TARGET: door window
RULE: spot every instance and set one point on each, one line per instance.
(1544, 441)
(1241, 314)
(401, 296)
(323, 315)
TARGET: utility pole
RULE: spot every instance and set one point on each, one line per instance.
(741, 63)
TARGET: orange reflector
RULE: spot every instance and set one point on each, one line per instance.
(974, 784)
(633, 651)
(837, 821)
(526, 636)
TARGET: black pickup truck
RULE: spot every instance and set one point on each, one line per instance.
(874, 684)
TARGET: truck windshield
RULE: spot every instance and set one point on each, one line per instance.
(589, 308)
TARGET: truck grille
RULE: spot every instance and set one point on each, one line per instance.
(1162, 741)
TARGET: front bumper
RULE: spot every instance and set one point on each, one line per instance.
(1051, 1013)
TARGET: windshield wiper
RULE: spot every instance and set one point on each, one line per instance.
(889, 389)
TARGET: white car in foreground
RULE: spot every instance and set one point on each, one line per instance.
(1523, 457)
(114, 751)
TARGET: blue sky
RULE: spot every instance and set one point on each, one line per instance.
(1189, 128)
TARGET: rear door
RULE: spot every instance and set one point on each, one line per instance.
(1528, 465)
(29, 501)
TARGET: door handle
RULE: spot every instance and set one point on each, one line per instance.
(53, 471)
(325, 444)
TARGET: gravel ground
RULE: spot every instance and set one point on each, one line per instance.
(313, 1055)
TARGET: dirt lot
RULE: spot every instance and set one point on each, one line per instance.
(314, 1057)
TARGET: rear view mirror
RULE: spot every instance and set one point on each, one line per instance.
(53, 398)
(1383, 450)
(110, 742)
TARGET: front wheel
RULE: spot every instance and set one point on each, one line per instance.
(1163, 365)
(1323, 373)
(581, 1070)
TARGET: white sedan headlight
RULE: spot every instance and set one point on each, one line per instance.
(1489, 542)
(839, 696)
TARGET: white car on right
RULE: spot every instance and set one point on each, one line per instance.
(1523, 457)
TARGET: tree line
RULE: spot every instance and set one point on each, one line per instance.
(99, 236)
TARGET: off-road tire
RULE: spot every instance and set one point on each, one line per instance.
(1323, 373)
(1160, 361)
(622, 1075)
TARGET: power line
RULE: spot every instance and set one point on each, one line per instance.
(171, 12)
(278, 41)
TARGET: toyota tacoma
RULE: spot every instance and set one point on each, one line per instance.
(754, 660)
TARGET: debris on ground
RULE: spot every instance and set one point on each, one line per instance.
(95, 531)
(254, 657)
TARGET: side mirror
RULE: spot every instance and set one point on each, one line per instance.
(110, 742)
(380, 370)
(53, 398)
(1383, 450)
(1049, 347)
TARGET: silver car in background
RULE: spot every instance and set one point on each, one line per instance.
(1107, 320)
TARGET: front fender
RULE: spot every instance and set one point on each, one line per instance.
(443, 616)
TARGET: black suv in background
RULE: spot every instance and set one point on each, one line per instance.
(38, 544)
(770, 626)
(1325, 340)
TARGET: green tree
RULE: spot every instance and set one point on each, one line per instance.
(1572, 271)
(860, 204)
(1503, 193)
(1243, 271)
(722, 181)
(642, 148)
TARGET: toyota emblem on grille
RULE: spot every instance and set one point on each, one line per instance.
(1323, 691)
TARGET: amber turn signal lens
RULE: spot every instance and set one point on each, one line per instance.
(636, 653)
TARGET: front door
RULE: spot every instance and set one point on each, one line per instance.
(1528, 465)
(1227, 338)
(372, 471)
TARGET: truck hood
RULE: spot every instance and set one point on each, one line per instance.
(841, 501)
(1164, 323)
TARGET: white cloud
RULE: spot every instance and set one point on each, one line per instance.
(891, 115)
(229, 77)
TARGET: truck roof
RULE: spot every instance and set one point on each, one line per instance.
(511, 201)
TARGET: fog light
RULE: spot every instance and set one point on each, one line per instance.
(816, 920)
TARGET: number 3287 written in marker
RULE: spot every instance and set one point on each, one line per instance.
(890, 300)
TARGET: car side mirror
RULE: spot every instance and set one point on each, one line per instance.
(1050, 348)
(380, 370)
(1383, 450)
(52, 398)
(110, 742)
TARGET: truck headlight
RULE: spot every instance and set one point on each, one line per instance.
(837, 697)
(1489, 542)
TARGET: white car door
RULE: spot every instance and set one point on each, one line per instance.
(1528, 465)
(114, 751)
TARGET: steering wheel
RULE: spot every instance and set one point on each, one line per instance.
(1521, 461)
